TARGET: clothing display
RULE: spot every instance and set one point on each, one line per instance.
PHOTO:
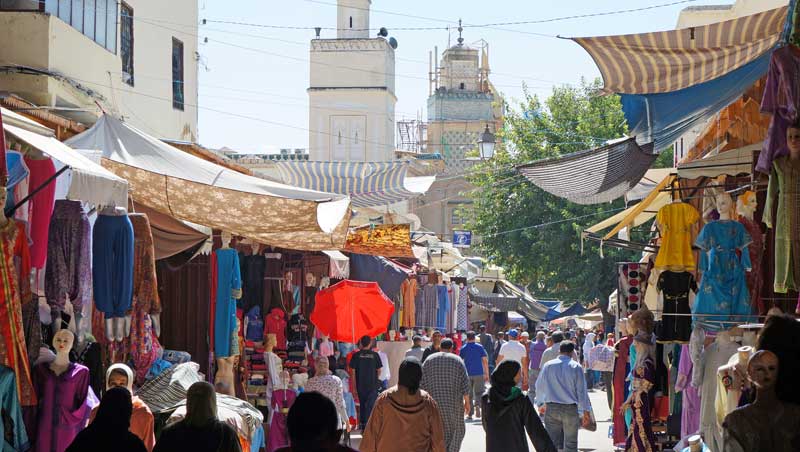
(40, 207)
(784, 189)
(409, 292)
(282, 401)
(13, 350)
(13, 436)
(723, 261)
(621, 370)
(442, 307)
(640, 437)
(755, 277)
(229, 283)
(68, 273)
(675, 222)
(276, 324)
(690, 409)
(65, 402)
(463, 297)
(252, 271)
(145, 285)
(676, 288)
(112, 264)
(426, 306)
(631, 286)
(705, 376)
(781, 98)
(297, 338)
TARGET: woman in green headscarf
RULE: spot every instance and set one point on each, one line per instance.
(507, 414)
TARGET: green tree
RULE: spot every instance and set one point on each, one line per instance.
(534, 235)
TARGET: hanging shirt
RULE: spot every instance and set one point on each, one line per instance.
(675, 222)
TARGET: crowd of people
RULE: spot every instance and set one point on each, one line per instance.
(440, 387)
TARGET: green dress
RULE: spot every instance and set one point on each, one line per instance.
(784, 187)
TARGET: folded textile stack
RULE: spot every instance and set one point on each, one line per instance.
(257, 371)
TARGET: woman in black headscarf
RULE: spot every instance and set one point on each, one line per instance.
(109, 430)
(507, 414)
(405, 417)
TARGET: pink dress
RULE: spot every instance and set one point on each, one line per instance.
(41, 208)
(690, 410)
(278, 433)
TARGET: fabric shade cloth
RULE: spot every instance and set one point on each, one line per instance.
(388, 240)
(575, 310)
(89, 181)
(191, 189)
(731, 163)
(349, 310)
(339, 264)
(387, 274)
(666, 61)
(592, 176)
(367, 183)
(170, 236)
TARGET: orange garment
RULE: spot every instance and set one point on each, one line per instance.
(409, 291)
(142, 423)
(15, 280)
(675, 222)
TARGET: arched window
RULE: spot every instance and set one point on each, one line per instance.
(351, 21)
(462, 86)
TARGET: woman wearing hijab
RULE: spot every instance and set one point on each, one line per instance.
(507, 414)
(405, 417)
(200, 430)
(109, 431)
(588, 344)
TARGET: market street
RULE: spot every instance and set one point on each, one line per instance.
(598, 441)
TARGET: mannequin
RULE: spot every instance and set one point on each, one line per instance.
(723, 288)
(299, 381)
(713, 357)
(112, 269)
(746, 206)
(783, 180)
(66, 400)
(641, 437)
(696, 444)
(282, 400)
(228, 290)
(15, 267)
(732, 383)
(766, 424)
(621, 370)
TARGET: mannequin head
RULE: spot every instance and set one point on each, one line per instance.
(744, 354)
(62, 341)
(226, 238)
(724, 204)
(763, 369)
(311, 280)
(793, 140)
(272, 341)
(746, 204)
(643, 344)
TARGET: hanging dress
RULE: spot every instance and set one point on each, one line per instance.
(675, 222)
(784, 188)
(675, 288)
(621, 369)
(282, 401)
(723, 289)
(228, 281)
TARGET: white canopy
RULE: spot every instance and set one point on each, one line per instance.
(89, 181)
(731, 163)
(651, 178)
(192, 189)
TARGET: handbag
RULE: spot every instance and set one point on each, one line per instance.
(592, 424)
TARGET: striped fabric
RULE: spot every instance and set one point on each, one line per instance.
(592, 176)
(368, 183)
(661, 62)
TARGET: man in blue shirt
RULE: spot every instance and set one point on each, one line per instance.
(561, 388)
(477, 362)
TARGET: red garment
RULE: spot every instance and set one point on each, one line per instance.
(41, 207)
(276, 324)
(620, 372)
(755, 279)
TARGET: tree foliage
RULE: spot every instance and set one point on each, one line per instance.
(534, 235)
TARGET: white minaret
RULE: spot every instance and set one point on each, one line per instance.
(352, 19)
(351, 96)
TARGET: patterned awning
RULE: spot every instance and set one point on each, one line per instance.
(666, 61)
(367, 183)
(592, 176)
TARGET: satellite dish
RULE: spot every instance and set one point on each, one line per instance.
(383, 32)
(393, 43)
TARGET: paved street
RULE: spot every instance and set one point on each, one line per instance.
(587, 441)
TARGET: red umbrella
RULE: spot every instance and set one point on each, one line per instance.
(348, 310)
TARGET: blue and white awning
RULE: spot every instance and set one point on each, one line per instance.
(368, 184)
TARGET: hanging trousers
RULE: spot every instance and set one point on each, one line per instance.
(68, 272)
(112, 250)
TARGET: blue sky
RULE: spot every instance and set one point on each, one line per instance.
(259, 72)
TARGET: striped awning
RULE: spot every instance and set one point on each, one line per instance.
(592, 176)
(666, 61)
(368, 183)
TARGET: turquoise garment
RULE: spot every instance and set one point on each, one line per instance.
(629, 379)
(11, 414)
(229, 279)
(723, 287)
(443, 308)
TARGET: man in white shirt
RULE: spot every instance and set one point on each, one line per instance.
(513, 350)
(385, 373)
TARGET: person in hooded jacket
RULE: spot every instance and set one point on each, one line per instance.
(109, 431)
(405, 417)
(507, 414)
